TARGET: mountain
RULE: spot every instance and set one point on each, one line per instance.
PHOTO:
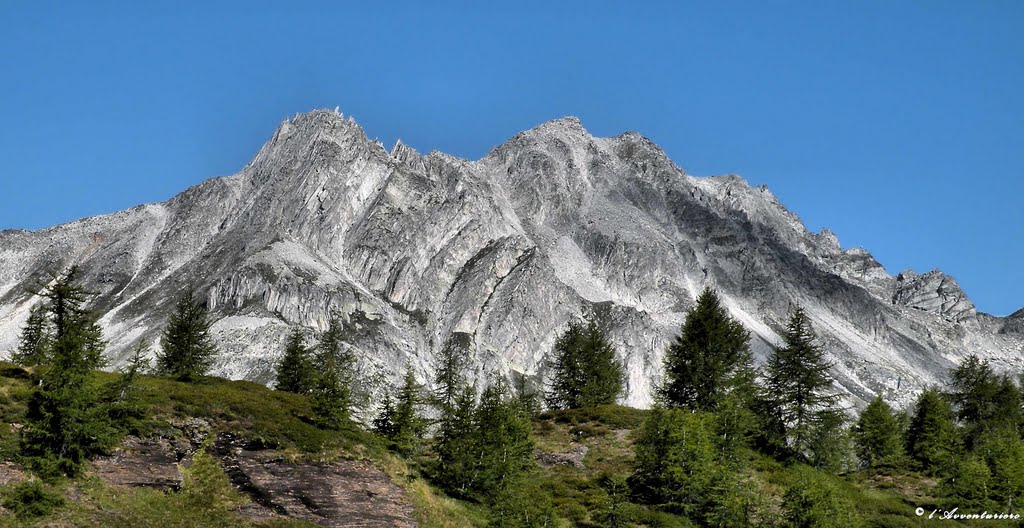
(417, 252)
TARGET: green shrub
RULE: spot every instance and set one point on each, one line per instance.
(31, 499)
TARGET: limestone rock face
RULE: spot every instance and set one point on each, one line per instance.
(933, 292)
(413, 251)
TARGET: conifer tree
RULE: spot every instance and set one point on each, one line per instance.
(123, 393)
(456, 445)
(449, 378)
(969, 486)
(877, 436)
(33, 344)
(384, 423)
(830, 446)
(187, 348)
(504, 447)
(701, 365)
(678, 467)
(331, 392)
(814, 501)
(66, 422)
(797, 384)
(295, 369)
(330, 397)
(405, 427)
(932, 437)
(1003, 452)
(586, 372)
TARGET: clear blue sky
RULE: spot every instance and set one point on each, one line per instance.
(899, 125)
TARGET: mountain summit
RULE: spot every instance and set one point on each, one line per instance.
(417, 252)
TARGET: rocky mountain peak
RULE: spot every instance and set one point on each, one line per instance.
(414, 252)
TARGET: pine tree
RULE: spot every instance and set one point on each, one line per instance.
(187, 348)
(702, 363)
(1003, 451)
(456, 445)
(974, 386)
(330, 397)
(504, 447)
(877, 436)
(830, 447)
(295, 369)
(66, 422)
(123, 394)
(969, 486)
(814, 501)
(932, 436)
(797, 384)
(449, 378)
(384, 423)
(408, 427)
(678, 466)
(586, 372)
(331, 392)
(33, 345)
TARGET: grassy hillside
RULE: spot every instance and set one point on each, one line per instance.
(584, 458)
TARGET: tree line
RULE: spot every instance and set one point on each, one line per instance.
(714, 410)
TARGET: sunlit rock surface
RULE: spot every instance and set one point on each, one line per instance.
(414, 251)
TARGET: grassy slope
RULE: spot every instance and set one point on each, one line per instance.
(281, 421)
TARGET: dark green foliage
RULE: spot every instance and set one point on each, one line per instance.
(504, 448)
(401, 422)
(983, 400)
(330, 396)
(483, 449)
(384, 423)
(206, 485)
(331, 391)
(187, 351)
(932, 440)
(66, 422)
(449, 378)
(295, 371)
(798, 386)
(523, 504)
(585, 371)
(32, 498)
(124, 401)
(877, 436)
(1003, 452)
(969, 485)
(34, 343)
(455, 445)
(830, 446)
(813, 500)
(703, 362)
(679, 468)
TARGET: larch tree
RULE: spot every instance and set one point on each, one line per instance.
(33, 344)
(932, 440)
(585, 371)
(798, 385)
(877, 436)
(66, 422)
(295, 369)
(706, 360)
(187, 350)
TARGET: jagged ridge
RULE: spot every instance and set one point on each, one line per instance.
(412, 250)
